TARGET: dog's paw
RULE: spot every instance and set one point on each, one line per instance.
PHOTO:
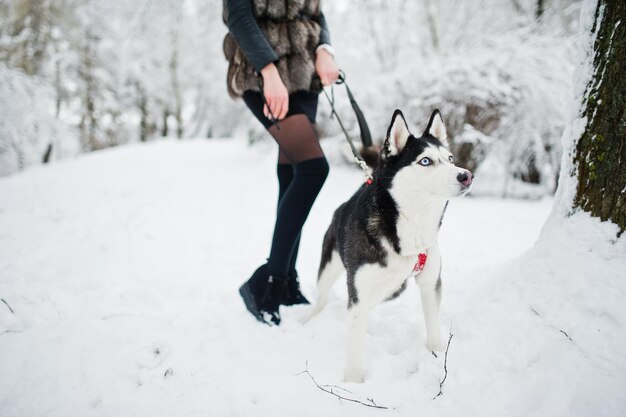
(354, 375)
(435, 345)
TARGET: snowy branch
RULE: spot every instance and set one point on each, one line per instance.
(330, 389)
(445, 368)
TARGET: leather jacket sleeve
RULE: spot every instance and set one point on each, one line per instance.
(324, 33)
(245, 29)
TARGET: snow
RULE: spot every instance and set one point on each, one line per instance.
(577, 121)
(122, 268)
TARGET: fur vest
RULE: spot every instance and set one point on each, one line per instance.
(291, 28)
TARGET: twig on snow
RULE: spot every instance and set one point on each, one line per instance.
(552, 326)
(10, 331)
(338, 387)
(566, 335)
(445, 368)
(329, 389)
(7, 304)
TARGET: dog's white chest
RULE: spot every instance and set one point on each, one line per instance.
(418, 221)
(414, 238)
(416, 234)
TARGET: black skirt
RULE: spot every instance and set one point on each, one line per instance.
(300, 102)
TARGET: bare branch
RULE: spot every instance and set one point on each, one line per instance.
(371, 403)
(553, 327)
(338, 387)
(566, 335)
(445, 368)
(7, 304)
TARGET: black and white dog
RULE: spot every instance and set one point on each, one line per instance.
(388, 231)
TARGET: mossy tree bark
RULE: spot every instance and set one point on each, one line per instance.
(600, 156)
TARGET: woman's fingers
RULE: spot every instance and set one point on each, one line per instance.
(274, 108)
(278, 107)
(284, 107)
(269, 109)
(328, 77)
(275, 92)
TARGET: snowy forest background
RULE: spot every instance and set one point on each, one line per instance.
(82, 75)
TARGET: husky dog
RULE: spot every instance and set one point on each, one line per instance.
(379, 234)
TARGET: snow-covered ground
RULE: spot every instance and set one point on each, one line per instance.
(122, 268)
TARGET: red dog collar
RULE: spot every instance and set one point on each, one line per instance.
(421, 261)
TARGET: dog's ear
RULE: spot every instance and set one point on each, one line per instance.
(397, 135)
(436, 128)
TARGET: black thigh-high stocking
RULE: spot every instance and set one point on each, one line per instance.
(284, 172)
(300, 150)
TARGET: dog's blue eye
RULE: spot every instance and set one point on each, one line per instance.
(451, 158)
(425, 161)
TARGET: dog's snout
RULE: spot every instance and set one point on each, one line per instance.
(465, 177)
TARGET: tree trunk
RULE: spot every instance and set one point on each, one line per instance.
(165, 129)
(539, 10)
(600, 154)
(32, 28)
(57, 88)
(431, 13)
(88, 120)
(143, 109)
(47, 154)
(176, 109)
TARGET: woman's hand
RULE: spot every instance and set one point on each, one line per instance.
(325, 67)
(275, 93)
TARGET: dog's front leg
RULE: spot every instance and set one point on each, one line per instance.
(357, 324)
(429, 282)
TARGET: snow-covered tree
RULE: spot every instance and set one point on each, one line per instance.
(29, 131)
(593, 177)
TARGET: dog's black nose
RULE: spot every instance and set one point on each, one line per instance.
(465, 177)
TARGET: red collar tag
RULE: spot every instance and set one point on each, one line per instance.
(368, 181)
(421, 261)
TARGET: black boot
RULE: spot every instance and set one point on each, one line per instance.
(292, 294)
(262, 294)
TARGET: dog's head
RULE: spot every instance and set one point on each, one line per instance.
(421, 164)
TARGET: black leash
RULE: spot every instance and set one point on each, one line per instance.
(366, 136)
